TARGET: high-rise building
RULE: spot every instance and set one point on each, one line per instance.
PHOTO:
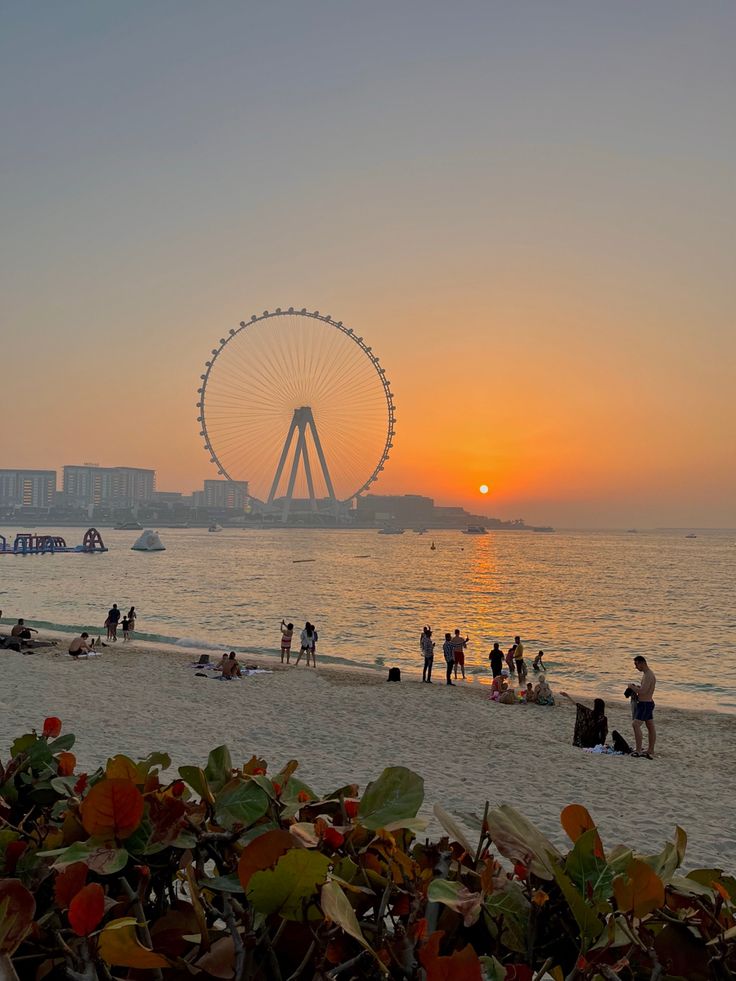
(117, 487)
(27, 488)
(228, 494)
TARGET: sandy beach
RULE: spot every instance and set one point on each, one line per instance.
(346, 725)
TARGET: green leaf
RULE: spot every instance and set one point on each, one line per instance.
(222, 883)
(23, 743)
(453, 829)
(336, 907)
(195, 777)
(457, 897)
(219, 768)
(62, 743)
(153, 760)
(492, 969)
(510, 904)
(95, 854)
(591, 874)
(666, 863)
(588, 922)
(240, 802)
(291, 888)
(519, 841)
(397, 794)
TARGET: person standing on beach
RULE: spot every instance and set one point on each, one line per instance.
(538, 663)
(132, 617)
(113, 618)
(426, 645)
(305, 639)
(126, 628)
(459, 646)
(510, 659)
(448, 649)
(287, 632)
(496, 659)
(644, 708)
(519, 658)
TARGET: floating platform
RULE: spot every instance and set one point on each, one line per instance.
(27, 543)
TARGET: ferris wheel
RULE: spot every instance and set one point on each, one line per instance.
(299, 406)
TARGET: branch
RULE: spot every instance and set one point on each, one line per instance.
(135, 899)
(237, 939)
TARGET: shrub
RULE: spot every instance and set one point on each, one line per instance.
(227, 872)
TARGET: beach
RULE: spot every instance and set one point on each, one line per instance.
(345, 725)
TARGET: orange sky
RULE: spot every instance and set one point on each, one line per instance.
(536, 240)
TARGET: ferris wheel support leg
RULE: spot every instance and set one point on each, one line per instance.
(321, 456)
(308, 470)
(282, 460)
(301, 448)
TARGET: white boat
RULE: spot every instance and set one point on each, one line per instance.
(148, 542)
(691, 536)
(390, 531)
(475, 530)
(215, 527)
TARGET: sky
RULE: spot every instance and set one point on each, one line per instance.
(526, 209)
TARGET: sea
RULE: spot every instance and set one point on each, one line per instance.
(591, 600)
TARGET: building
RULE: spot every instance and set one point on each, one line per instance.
(27, 488)
(116, 487)
(230, 495)
(402, 509)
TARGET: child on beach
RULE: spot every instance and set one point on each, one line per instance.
(126, 628)
(287, 632)
(510, 659)
(537, 663)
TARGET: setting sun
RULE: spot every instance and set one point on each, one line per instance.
(483, 488)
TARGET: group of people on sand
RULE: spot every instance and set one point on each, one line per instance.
(114, 618)
(453, 651)
(307, 643)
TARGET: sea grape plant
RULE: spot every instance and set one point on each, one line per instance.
(230, 872)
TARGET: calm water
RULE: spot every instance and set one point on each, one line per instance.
(591, 600)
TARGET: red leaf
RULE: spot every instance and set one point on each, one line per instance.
(66, 763)
(12, 853)
(18, 909)
(87, 909)
(51, 727)
(351, 808)
(461, 965)
(263, 853)
(81, 785)
(112, 807)
(166, 814)
(333, 837)
(68, 883)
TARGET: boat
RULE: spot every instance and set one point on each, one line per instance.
(215, 527)
(475, 530)
(421, 531)
(691, 535)
(631, 531)
(148, 542)
(127, 526)
(388, 530)
(544, 528)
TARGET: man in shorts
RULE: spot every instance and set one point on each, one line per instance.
(644, 711)
(458, 647)
(80, 646)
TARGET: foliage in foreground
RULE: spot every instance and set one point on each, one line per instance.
(227, 872)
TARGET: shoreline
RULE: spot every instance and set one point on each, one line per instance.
(345, 725)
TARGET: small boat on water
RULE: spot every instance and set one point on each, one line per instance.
(148, 542)
(691, 535)
(475, 530)
(128, 526)
(389, 530)
(631, 531)
(215, 527)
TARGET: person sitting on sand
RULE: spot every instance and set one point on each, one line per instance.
(22, 631)
(507, 697)
(543, 693)
(81, 646)
(230, 667)
(530, 694)
(287, 632)
(537, 663)
(591, 725)
(499, 684)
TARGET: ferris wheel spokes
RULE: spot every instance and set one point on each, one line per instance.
(302, 420)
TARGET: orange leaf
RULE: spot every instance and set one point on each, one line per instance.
(17, 909)
(263, 853)
(51, 727)
(461, 965)
(87, 909)
(575, 821)
(121, 768)
(639, 889)
(68, 883)
(66, 762)
(112, 807)
(119, 946)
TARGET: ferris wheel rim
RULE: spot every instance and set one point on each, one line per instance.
(348, 332)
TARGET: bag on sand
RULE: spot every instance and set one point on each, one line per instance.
(619, 743)
(394, 674)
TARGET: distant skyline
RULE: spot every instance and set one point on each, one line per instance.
(527, 210)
